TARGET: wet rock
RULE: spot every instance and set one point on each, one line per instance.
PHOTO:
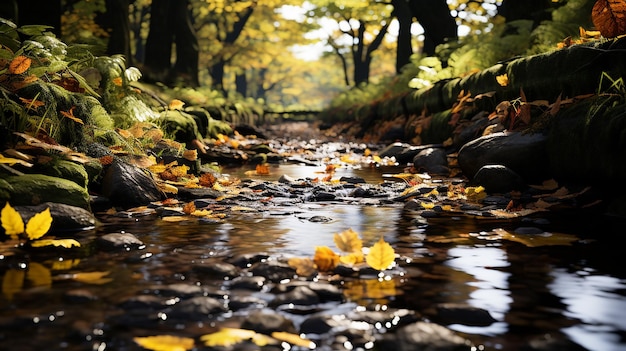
(301, 295)
(216, 269)
(119, 242)
(35, 189)
(432, 160)
(451, 313)
(79, 296)
(393, 150)
(178, 290)
(129, 186)
(188, 194)
(285, 179)
(425, 336)
(255, 283)
(352, 180)
(141, 302)
(195, 308)
(498, 179)
(267, 322)
(64, 217)
(523, 153)
(238, 302)
(63, 169)
(274, 271)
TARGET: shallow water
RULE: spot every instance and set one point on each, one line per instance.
(575, 293)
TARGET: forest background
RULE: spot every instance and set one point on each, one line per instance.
(306, 55)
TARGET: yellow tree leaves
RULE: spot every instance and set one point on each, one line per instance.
(609, 17)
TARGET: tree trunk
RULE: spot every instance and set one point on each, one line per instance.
(536, 10)
(159, 43)
(242, 84)
(187, 48)
(404, 48)
(117, 19)
(439, 25)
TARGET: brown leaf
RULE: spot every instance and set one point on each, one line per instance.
(19, 65)
(609, 17)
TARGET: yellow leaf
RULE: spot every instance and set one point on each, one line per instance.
(39, 275)
(11, 161)
(381, 255)
(11, 221)
(176, 104)
(352, 259)
(67, 243)
(536, 240)
(427, 205)
(165, 343)
(12, 282)
(303, 266)
(475, 193)
(231, 336)
(503, 79)
(293, 339)
(39, 224)
(325, 259)
(97, 278)
(348, 241)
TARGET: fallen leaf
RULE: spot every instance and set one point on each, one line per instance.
(67, 243)
(39, 224)
(348, 241)
(231, 336)
(304, 266)
(97, 278)
(503, 80)
(325, 259)
(165, 343)
(536, 240)
(19, 65)
(609, 17)
(294, 339)
(11, 221)
(381, 255)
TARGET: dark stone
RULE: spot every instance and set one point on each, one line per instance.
(274, 271)
(119, 242)
(267, 322)
(432, 160)
(64, 217)
(523, 153)
(451, 313)
(198, 307)
(301, 295)
(498, 179)
(352, 180)
(248, 283)
(219, 269)
(129, 186)
(425, 336)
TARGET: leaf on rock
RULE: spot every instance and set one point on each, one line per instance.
(11, 221)
(381, 255)
(294, 339)
(39, 224)
(348, 241)
(325, 259)
(609, 17)
(165, 343)
(503, 80)
(66, 243)
(353, 258)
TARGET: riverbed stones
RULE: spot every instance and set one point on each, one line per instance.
(65, 217)
(119, 242)
(498, 179)
(425, 336)
(431, 160)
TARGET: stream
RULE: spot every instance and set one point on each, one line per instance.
(544, 297)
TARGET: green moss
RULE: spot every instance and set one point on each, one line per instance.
(33, 189)
(64, 169)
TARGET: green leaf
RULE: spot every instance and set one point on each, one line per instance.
(39, 224)
(11, 221)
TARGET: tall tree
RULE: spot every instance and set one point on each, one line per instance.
(170, 23)
(117, 19)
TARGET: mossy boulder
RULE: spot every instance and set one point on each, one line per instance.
(64, 169)
(33, 189)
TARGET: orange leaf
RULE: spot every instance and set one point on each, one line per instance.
(609, 17)
(503, 80)
(70, 114)
(325, 259)
(262, 169)
(19, 65)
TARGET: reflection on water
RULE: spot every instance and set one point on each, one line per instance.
(575, 292)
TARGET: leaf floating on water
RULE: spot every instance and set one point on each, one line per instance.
(231, 336)
(294, 339)
(536, 240)
(97, 278)
(381, 255)
(165, 343)
(348, 241)
(66, 243)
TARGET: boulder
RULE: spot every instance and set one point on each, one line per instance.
(35, 189)
(129, 186)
